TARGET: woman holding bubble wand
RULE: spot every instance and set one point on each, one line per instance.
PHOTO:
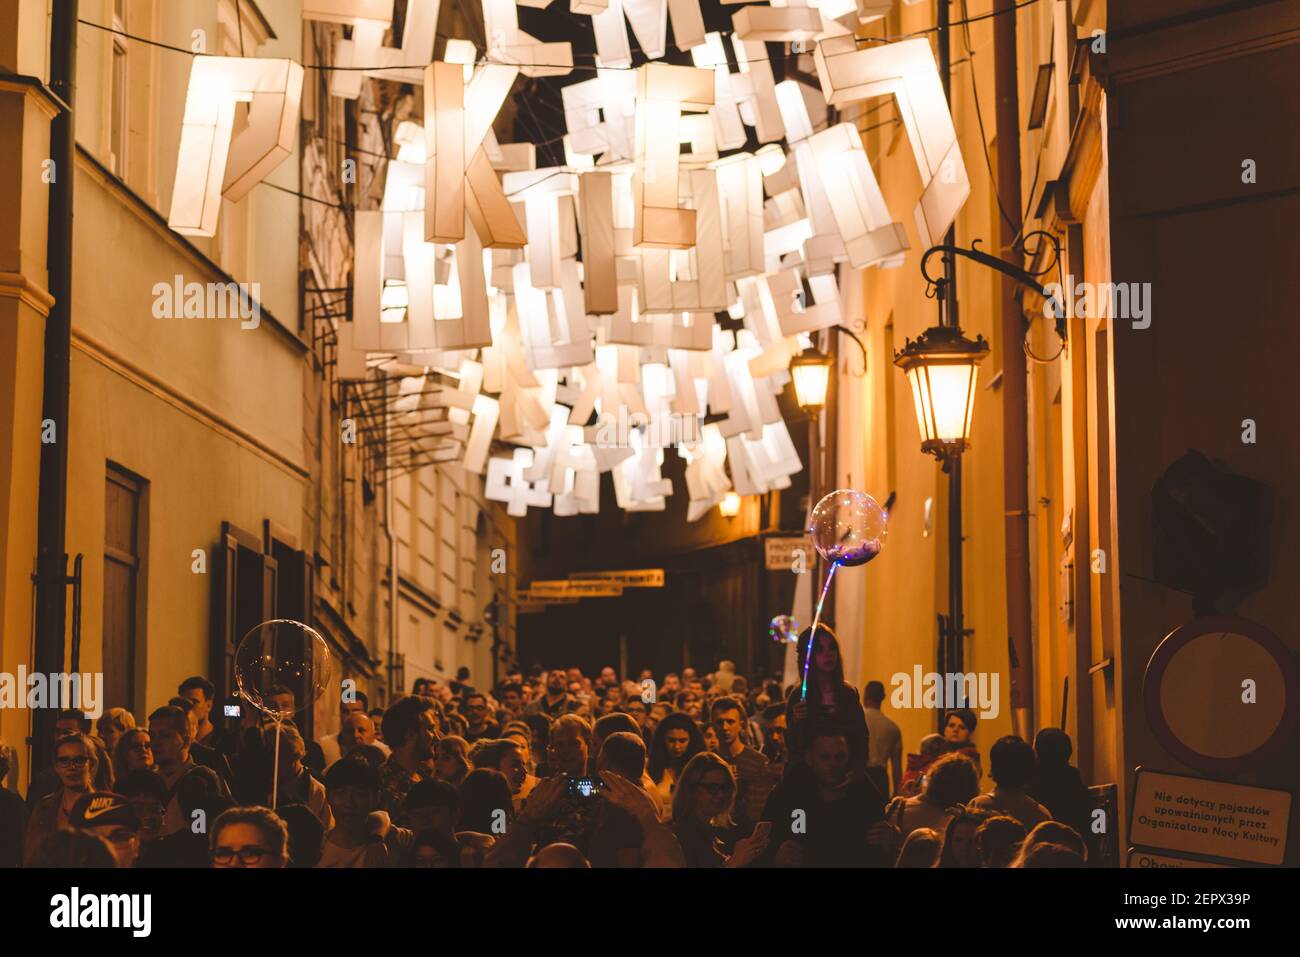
(848, 529)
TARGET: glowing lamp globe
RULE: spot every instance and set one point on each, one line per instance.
(730, 505)
(942, 367)
(811, 372)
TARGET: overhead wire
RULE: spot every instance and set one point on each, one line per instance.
(979, 115)
(485, 59)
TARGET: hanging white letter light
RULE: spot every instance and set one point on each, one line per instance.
(209, 165)
(367, 53)
(908, 71)
(457, 119)
(663, 92)
(870, 237)
(349, 12)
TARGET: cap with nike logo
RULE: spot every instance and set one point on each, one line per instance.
(103, 808)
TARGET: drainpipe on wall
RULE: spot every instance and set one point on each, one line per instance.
(393, 689)
(52, 500)
(1015, 401)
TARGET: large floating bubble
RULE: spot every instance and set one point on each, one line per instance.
(848, 527)
(282, 667)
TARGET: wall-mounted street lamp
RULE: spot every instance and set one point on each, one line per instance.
(942, 367)
(811, 371)
(942, 364)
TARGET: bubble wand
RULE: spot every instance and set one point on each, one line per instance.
(275, 770)
(812, 634)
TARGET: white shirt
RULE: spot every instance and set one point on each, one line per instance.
(886, 740)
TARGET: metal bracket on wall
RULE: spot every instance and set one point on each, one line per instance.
(854, 336)
(75, 580)
(1026, 278)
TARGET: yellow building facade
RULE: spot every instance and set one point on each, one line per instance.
(211, 480)
(1119, 164)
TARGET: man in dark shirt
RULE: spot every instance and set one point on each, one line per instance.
(202, 754)
(480, 724)
(557, 700)
(827, 817)
(411, 727)
(1058, 786)
(461, 686)
(754, 775)
(201, 693)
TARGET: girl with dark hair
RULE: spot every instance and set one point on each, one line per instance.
(677, 739)
(831, 702)
(483, 795)
(133, 752)
(959, 848)
(958, 729)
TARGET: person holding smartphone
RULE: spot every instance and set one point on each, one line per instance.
(702, 806)
(607, 816)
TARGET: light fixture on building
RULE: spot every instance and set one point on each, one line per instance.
(942, 366)
(730, 505)
(811, 371)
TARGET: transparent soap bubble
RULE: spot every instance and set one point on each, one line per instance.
(282, 667)
(783, 630)
(848, 527)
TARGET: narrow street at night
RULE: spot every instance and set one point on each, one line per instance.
(837, 436)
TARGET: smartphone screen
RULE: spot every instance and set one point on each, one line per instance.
(586, 787)
(232, 711)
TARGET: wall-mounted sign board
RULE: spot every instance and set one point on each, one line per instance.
(630, 578)
(563, 588)
(528, 597)
(780, 554)
(1148, 859)
(1236, 822)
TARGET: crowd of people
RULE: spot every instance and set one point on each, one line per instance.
(551, 769)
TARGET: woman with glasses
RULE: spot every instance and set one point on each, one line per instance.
(677, 739)
(134, 752)
(250, 837)
(702, 804)
(75, 763)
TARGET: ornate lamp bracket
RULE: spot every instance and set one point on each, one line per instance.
(1031, 280)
